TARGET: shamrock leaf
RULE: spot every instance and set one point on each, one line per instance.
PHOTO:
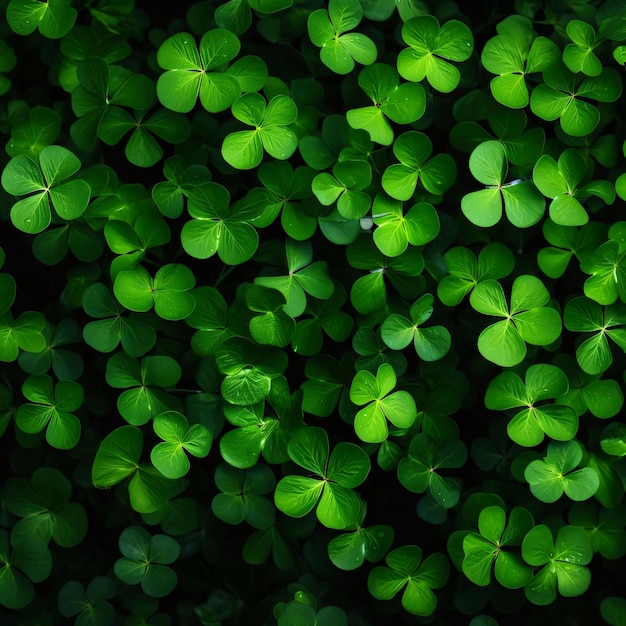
(51, 408)
(242, 495)
(606, 265)
(587, 316)
(494, 261)
(332, 488)
(561, 95)
(523, 204)
(43, 504)
(304, 277)
(419, 470)
(24, 333)
(560, 181)
(243, 149)
(406, 570)
(491, 546)
(167, 292)
(512, 54)
(142, 401)
(562, 563)
(431, 343)
(537, 417)
(110, 328)
(526, 320)
(178, 437)
(395, 230)
(579, 55)
(328, 30)
(413, 149)
(556, 473)
(431, 48)
(192, 71)
(90, 605)
(21, 564)
(604, 527)
(53, 19)
(38, 128)
(370, 423)
(218, 227)
(45, 182)
(345, 187)
(403, 104)
(145, 561)
(350, 550)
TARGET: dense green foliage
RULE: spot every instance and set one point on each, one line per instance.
(312, 312)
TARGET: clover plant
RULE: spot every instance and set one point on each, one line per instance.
(312, 312)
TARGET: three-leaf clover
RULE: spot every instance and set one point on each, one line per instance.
(193, 71)
(328, 30)
(537, 417)
(24, 333)
(91, 605)
(272, 326)
(242, 495)
(346, 187)
(110, 327)
(431, 343)
(43, 504)
(167, 292)
(431, 50)
(607, 267)
(494, 261)
(406, 570)
(523, 204)
(402, 103)
(562, 563)
(142, 399)
(218, 227)
(514, 53)
(587, 316)
(336, 473)
(561, 95)
(51, 408)
(395, 230)
(53, 19)
(178, 437)
(579, 56)
(145, 561)
(561, 182)
(22, 562)
(491, 547)
(418, 471)
(556, 473)
(526, 320)
(243, 149)
(46, 184)
(413, 149)
(349, 551)
(375, 392)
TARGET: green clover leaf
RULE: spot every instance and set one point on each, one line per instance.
(491, 547)
(512, 54)
(145, 561)
(406, 570)
(562, 563)
(606, 265)
(178, 437)
(523, 204)
(403, 104)
(349, 551)
(413, 149)
(45, 182)
(242, 496)
(375, 392)
(91, 605)
(53, 19)
(336, 473)
(51, 408)
(527, 320)
(556, 473)
(328, 30)
(24, 333)
(579, 55)
(243, 149)
(537, 418)
(431, 50)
